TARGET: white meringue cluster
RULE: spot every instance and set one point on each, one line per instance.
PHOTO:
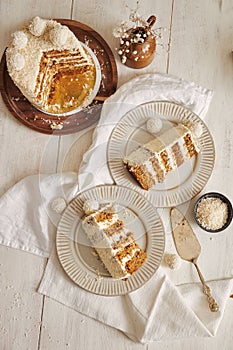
(58, 35)
(19, 40)
(37, 26)
(58, 204)
(16, 61)
(154, 125)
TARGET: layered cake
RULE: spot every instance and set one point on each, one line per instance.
(150, 163)
(50, 66)
(114, 243)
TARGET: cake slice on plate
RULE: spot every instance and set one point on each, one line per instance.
(114, 243)
(151, 162)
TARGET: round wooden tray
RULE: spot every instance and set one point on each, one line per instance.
(22, 109)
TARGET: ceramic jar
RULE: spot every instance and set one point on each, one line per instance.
(138, 47)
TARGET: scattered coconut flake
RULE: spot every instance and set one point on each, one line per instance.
(20, 39)
(56, 126)
(37, 26)
(99, 276)
(173, 261)
(58, 35)
(154, 125)
(90, 206)
(15, 99)
(58, 205)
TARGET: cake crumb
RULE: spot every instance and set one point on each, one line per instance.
(15, 99)
(94, 253)
(99, 276)
(173, 261)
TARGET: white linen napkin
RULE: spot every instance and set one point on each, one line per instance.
(158, 310)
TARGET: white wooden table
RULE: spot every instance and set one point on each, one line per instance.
(199, 39)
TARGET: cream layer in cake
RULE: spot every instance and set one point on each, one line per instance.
(150, 163)
(49, 65)
(114, 243)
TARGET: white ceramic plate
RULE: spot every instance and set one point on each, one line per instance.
(79, 259)
(181, 184)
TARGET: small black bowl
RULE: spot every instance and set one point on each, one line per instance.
(223, 199)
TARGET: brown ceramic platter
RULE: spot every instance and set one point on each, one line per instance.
(22, 109)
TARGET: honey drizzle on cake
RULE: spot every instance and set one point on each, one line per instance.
(57, 66)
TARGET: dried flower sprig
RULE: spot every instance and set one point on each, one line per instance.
(139, 29)
(136, 21)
